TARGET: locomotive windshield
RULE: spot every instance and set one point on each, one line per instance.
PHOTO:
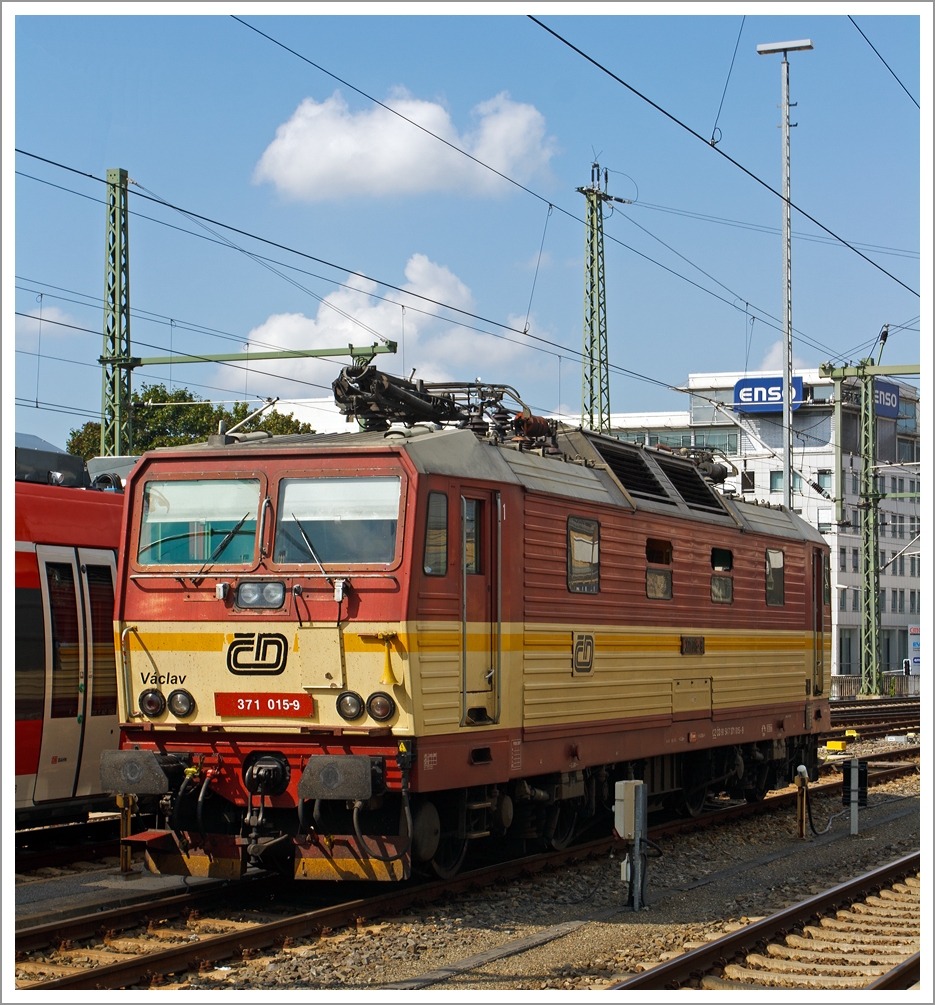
(337, 521)
(199, 522)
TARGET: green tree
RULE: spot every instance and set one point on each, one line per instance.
(163, 418)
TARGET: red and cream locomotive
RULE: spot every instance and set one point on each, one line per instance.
(348, 656)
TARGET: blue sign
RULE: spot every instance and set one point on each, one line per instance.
(886, 399)
(916, 661)
(764, 394)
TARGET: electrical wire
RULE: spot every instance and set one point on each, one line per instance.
(500, 174)
(718, 150)
(802, 337)
(536, 275)
(498, 324)
(763, 228)
(883, 61)
(730, 69)
(233, 366)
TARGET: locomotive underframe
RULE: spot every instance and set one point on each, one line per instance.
(218, 816)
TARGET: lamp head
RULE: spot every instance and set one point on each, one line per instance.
(772, 47)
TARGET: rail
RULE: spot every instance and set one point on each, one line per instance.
(737, 945)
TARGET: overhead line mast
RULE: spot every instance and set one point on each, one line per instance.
(118, 362)
(116, 414)
(595, 362)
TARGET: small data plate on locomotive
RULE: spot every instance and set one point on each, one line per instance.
(252, 704)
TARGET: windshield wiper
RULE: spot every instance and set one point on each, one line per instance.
(225, 541)
(311, 550)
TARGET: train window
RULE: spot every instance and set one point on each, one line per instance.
(722, 589)
(471, 529)
(722, 559)
(775, 578)
(659, 581)
(66, 641)
(104, 666)
(826, 579)
(30, 654)
(658, 552)
(337, 521)
(584, 570)
(659, 584)
(435, 560)
(196, 521)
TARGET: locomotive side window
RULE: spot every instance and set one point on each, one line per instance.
(659, 581)
(337, 521)
(198, 521)
(472, 547)
(775, 578)
(66, 640)
(101, 598)
(584, 570)
(722, 559)
(722, 587)
(826, 580)
(658, 552)
(435, 560)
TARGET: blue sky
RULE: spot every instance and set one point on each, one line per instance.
(210, 116)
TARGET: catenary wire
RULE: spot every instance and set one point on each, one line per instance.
(763, 228)
(302, 254)
(884, 62)
(615, 367)
(233, 366)
(512, 181)
(718, 150)
(797, 332)
(730, 70)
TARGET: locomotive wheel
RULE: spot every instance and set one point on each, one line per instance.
(449, 856)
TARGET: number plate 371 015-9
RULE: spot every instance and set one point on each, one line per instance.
(289, 706)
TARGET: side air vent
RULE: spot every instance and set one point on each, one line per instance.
(628, 465)
(690, 485)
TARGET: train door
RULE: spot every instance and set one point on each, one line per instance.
(63, 713)
(821, 599)
(480, 606)
(98, 574)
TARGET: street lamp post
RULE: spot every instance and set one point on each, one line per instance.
(765, 50)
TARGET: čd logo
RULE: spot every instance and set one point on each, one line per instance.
(252, 653)
(582, 653)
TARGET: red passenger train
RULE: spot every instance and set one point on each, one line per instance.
(348, 656)
(66, 677)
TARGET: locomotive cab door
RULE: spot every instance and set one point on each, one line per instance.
(480, 606)
(98, 574)
(821, 600)
(63, 712)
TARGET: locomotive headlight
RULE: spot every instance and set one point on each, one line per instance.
(264, 595)
(152, 703)
(181, 703)
(380, 706)
(350, 705)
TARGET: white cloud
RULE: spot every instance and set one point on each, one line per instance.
(437, 349)
(774, 356)
(326, 151)
(55, 324)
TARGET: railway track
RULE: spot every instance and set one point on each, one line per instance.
(105, 950)
(860, 934)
